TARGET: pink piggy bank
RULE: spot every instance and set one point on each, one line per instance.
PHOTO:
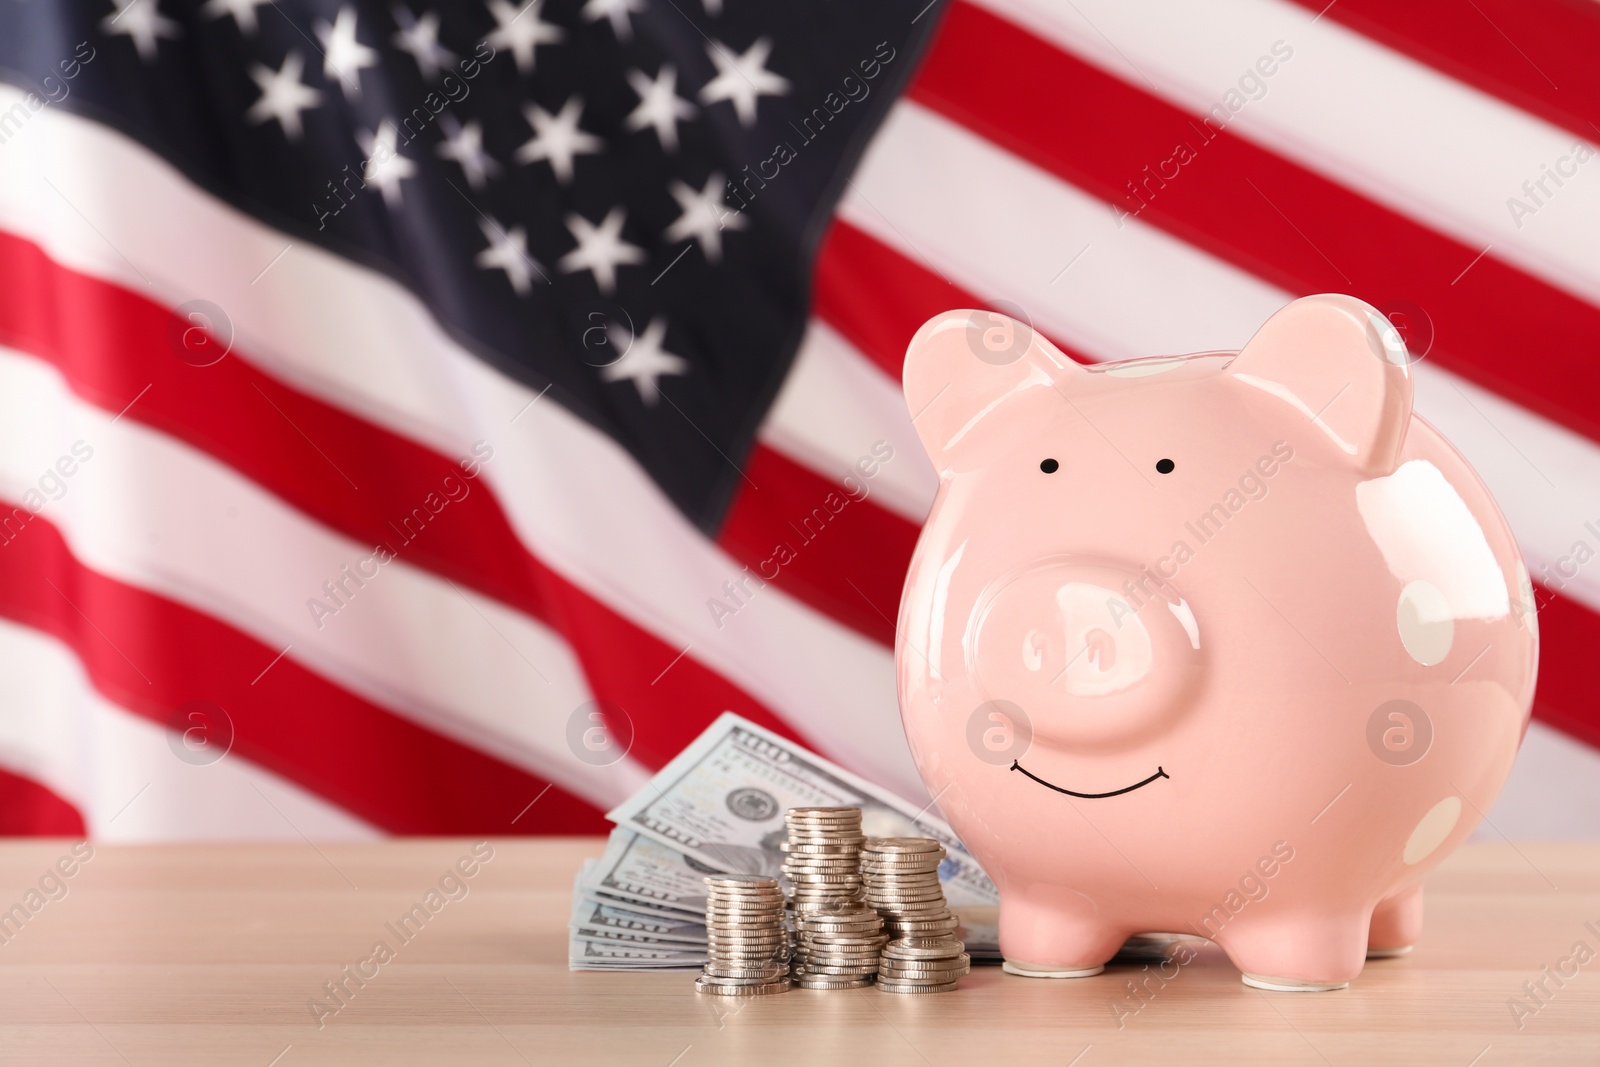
(1229, 645)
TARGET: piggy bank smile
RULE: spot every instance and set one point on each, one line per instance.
(1252, 565)
(1016, 765)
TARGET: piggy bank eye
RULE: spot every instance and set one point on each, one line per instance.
(1164, 466)
(1049, 466)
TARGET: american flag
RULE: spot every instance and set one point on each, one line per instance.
(392, 395)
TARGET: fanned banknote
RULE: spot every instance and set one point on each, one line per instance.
(586, 951)
(721, 803)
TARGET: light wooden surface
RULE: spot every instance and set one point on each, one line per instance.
(211, 955)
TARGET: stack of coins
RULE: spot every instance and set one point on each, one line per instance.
(747, 943)
(837, 937)
(838, 948)
(823, 864)
(922, 965)
(901, 879)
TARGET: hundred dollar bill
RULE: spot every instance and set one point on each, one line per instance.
(643, 870)
(598, 920)
(585, 955)
(595, 954)
(721, 804)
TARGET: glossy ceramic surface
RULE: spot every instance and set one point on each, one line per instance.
(1230, 644)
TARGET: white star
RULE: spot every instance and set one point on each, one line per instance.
(144, 24)
(508, 252)
(659, 106)
(713, 7)
(344, 57)
(644, 361)
(283, 97)
(557, 137)
(385, 166)
(740, 81)
(601, 249)
(521, 30)
(464, 144)
(243, 12)
(615, 10)
(420, 37)
(704, 216)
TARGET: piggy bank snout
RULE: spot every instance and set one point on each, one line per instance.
(1091, 651)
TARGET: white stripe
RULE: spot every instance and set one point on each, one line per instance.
(118, 769)
(157, 514)
(1399, 132)
(354, 338)
(1003, 228)
(834, 406)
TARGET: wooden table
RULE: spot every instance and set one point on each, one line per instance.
(212, 954)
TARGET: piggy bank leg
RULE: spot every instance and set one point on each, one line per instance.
(1396, 924)
(1052, 935)
(1305, 952)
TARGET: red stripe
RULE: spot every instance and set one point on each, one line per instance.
(1538, 55)
(825, 542)
(1510, 332)
(151, 656)
(111, 344)
(26, 807)
(1569, 671)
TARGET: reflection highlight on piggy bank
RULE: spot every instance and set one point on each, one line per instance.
(1229, 645)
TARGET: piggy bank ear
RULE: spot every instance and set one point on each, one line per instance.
(966, 368)
(1344, 367)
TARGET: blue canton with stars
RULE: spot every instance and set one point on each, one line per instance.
(617, 201)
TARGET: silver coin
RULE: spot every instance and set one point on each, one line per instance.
(845, 929)
(894, 986)
(817, 850)
(905, 969)
(741, 881)
(920, 948)
(753, 893)
(719, 980)
(831, 966)
(901, 846)
(716, 913)
(901, 877)
(768, 971)
(703, 985)
(933, 929)
(740, 934)
(896, 900)
(812, 982)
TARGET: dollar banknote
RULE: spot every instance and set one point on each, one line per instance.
(598, 920)
(720, 806)
(639, 870)
(590, 948)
